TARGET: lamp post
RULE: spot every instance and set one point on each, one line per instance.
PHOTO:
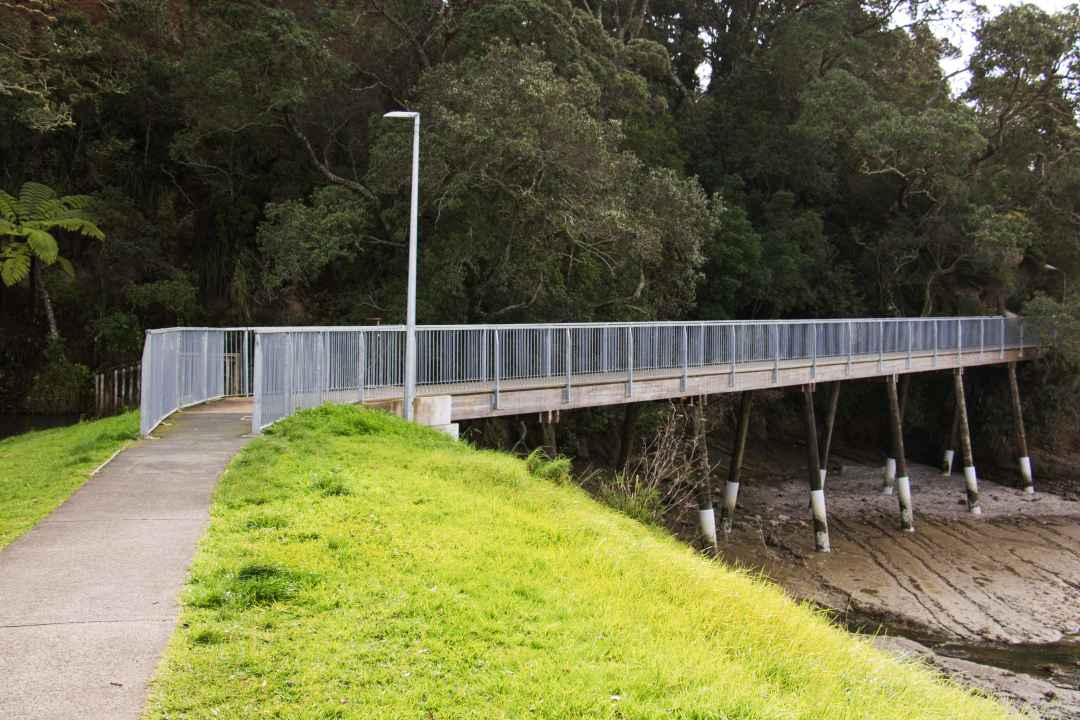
(1064, 278)
(410, 319)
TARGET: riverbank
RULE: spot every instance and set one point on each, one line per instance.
(995, 598)
(360, 567)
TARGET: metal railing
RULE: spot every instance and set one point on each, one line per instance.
(296, 368)
(187, 366)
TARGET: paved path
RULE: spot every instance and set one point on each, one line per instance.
(88, 598)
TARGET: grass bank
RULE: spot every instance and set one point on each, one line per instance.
(39, 470)
(359, 567)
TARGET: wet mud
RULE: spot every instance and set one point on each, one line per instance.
(992, 600)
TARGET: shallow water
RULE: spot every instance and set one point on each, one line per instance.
(1057, 662)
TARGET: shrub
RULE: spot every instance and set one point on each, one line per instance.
(61, 387)
(557, 470)
(629, 495)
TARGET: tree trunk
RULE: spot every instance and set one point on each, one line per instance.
(46, 301)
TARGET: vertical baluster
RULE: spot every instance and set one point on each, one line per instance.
(734, 355)
(569, 340)
(685, 357)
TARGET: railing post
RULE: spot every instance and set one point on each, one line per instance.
(569, 362)
(813, 350)
(206, 365)
(909, 329)
(776, 353)
(934, 362)
(982, 336)
(547, 353)
(685, 358)
(257, 391)
(361, 377)
(850, 345)
(484, 355)
(289, 405)
(959, 341)
(629, 361)
(881, 346)
(498, 366)
(734, 355)
(603, 350)
(1002, 353)
(1021, 337)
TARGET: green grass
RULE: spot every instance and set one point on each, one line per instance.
(39, 470)
(358, 567)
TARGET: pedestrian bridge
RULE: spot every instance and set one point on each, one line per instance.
(468, 372)
(492, 370)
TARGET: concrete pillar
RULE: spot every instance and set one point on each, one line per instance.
(830, 420)
(952, 441)
(813, 466)
(547, 427)
(706, 513)
(971, 480)
(903, 482)
(1023, 459)
(888, 478)
(738, 451)
(435, 412)
(888, 474)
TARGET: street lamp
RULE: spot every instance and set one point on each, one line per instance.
(1064, 278)
(410, 319)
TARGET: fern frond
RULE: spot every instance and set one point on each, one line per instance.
(43, 244)
(77, 202)
(10, 229)
(10, 208)
(74, 222)
(15, 265)
(34, 194)
(66, 266)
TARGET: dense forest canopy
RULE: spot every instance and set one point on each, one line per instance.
(581, 160)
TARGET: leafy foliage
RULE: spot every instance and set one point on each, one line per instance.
(33, 216)
(607, 159)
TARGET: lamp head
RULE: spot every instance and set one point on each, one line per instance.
(402, 114)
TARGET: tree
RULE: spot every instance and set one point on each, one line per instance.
(29, 221)
(532, 209)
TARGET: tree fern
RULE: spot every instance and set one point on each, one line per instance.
(15, 263)
(33, 196)
(30, 221)
(43, 245)
(10, 208)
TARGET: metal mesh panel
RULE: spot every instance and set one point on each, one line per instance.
(181, 367)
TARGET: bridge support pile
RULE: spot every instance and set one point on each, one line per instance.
(1021, 437)
(813, 465)
(971, 480)
(706, 513)
(903, 481)
(738, 450)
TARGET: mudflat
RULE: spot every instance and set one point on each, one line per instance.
(993, 599)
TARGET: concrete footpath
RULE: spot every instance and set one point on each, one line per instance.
(88, 598)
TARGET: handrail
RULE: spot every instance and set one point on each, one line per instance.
(288, 368)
